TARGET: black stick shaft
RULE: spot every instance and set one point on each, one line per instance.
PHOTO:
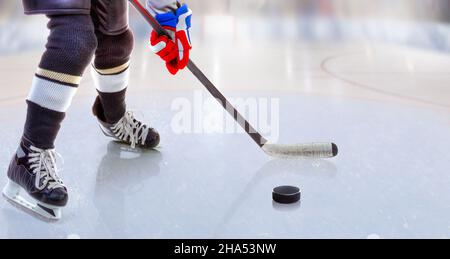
(212, 89)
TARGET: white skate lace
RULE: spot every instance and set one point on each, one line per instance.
(129, 129)
(43, 164)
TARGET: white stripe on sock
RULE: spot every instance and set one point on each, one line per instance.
(110, 83)
(51, 95)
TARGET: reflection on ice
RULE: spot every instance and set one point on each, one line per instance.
(279, 168)
(286, 207)
(121, 172)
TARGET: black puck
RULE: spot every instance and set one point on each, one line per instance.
(286, 194)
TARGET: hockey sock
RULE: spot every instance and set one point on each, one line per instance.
(111, 88)
(111, 73)
(69, 49)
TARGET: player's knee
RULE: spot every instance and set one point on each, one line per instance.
(113, 50)
(84, 44)
(126, 43)
(72, 39)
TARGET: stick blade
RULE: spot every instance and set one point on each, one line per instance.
(312, 150)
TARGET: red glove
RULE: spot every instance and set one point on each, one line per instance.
(166, 49)
(175, 50)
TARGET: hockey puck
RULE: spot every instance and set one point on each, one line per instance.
(286, 194)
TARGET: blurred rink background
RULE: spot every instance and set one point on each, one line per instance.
(283, 38)
(371, 75)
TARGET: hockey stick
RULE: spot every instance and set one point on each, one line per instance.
(313, 150)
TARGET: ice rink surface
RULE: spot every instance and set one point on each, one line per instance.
(377, 83)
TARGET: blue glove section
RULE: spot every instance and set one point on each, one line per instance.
(184, 16)
(168, 19)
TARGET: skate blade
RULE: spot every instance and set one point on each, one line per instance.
(39, 211)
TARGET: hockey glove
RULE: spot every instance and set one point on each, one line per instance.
(175, 51)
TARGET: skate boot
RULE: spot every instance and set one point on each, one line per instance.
(127, 130)
(34, 171)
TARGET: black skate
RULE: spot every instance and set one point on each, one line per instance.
(128, 130)
(34, 171)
